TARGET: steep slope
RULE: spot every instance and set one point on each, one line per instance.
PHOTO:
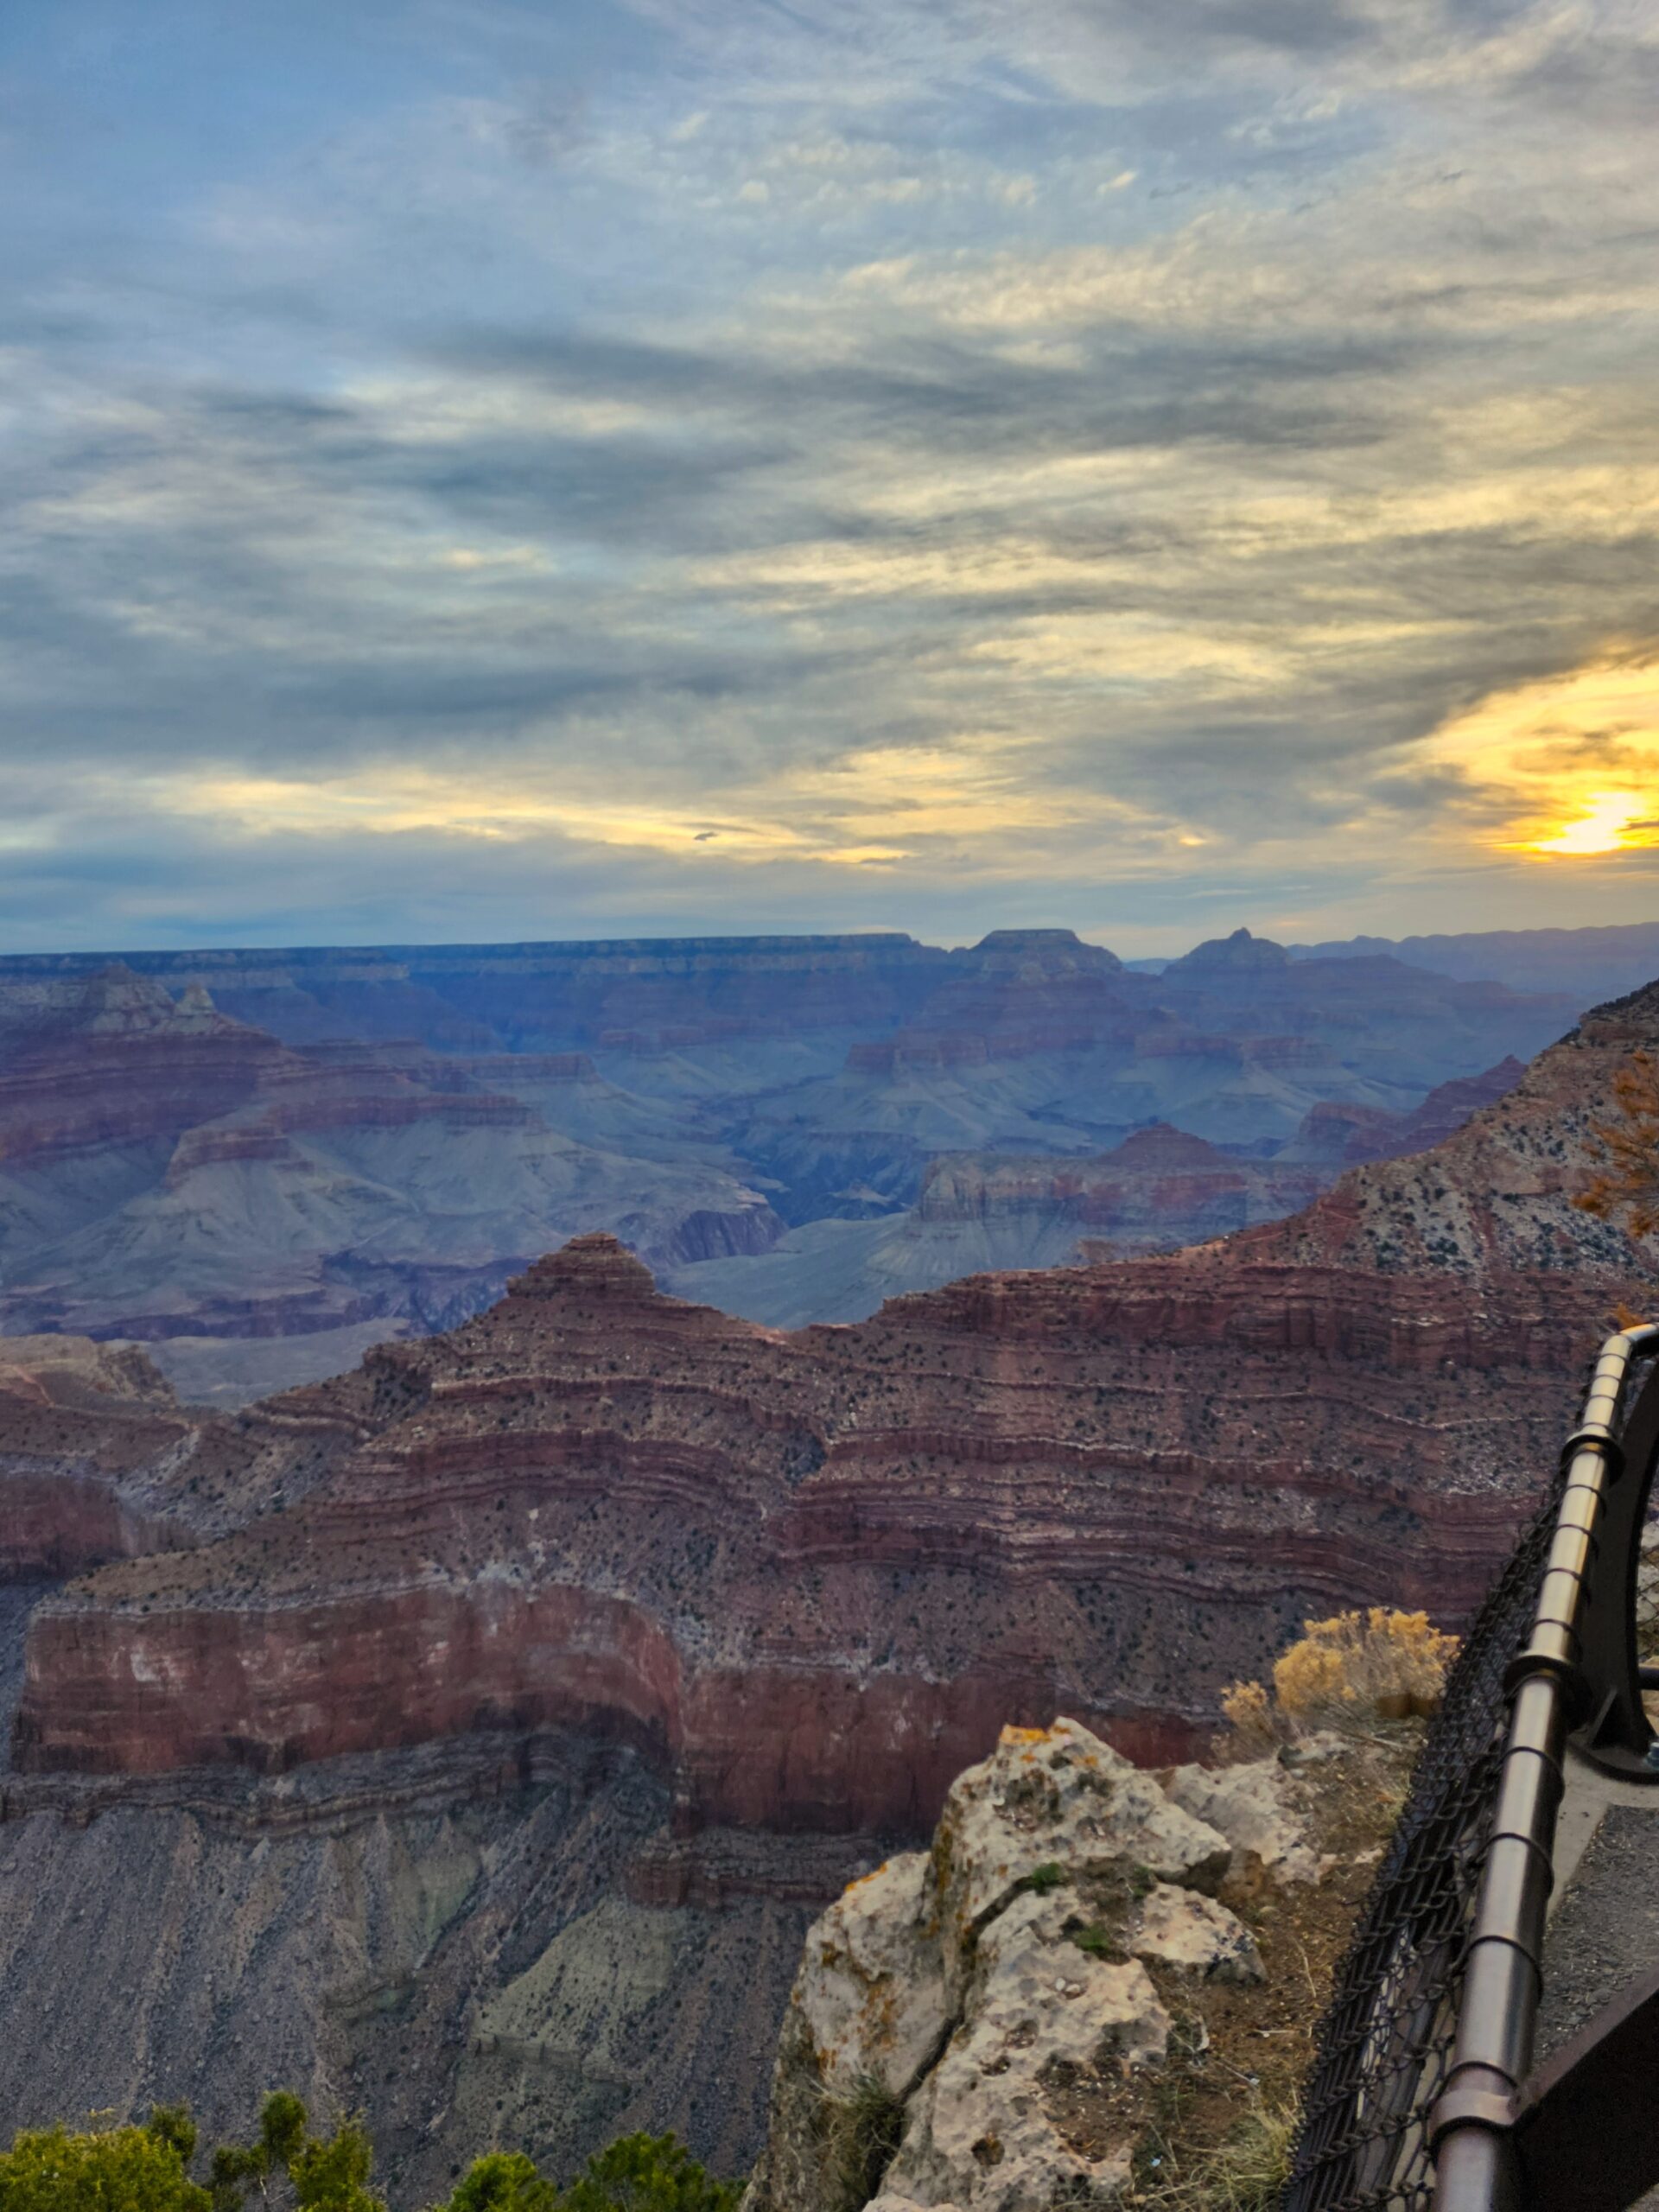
(805, 1574)
(1335, 1136)
(471, 1946)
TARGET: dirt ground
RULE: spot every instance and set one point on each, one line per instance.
(1238, 2052)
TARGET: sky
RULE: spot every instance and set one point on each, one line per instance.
(472, 469)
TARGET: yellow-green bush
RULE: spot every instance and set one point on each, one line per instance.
(1349, 1671)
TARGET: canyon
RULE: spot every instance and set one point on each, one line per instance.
(523, 1689)
(259, 1163)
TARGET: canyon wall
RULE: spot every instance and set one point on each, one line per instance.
(214, 1150)
(807, 1575)
(470, 1736)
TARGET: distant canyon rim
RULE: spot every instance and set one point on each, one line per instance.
(259, 1163)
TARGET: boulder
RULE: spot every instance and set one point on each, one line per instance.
(948, 1993)
(1259, 1809)
(1195, 1935)
(1055, 1797)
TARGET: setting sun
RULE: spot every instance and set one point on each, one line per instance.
(1604, 827)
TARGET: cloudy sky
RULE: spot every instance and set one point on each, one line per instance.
(480, 468)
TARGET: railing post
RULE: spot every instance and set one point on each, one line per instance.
(1471, 2130)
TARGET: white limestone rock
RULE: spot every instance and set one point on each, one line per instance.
(1195, 1935)
(1041, 2014)
(1055, 1796)
(1260, 1810)
(870, 1987)
(869, 2003)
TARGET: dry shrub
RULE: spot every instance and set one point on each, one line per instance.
(1344, 1673)
(1628, 1181)
(1246, 2171)
(1249, 1713)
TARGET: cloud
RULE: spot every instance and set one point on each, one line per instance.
(1128, 461)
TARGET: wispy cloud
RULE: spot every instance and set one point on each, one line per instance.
(474, 468)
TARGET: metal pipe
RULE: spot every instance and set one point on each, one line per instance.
(1472, 2127)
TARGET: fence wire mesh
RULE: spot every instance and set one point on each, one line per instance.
(1385, 2044)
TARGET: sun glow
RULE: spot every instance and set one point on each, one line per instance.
(1605, 826)
(1565, 766)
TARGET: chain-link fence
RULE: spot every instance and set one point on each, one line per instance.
(1385, 2044)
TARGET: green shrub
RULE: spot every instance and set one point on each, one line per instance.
(647, 2173)
(504, 2181)
(106, 2170)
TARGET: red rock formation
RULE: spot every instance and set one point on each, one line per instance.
(77, 1422)
(1160, 1188)
(810, 1575)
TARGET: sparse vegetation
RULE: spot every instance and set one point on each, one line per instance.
(860, 2137)
(1627, 1185)
(1246, 2171)
(147, 2170)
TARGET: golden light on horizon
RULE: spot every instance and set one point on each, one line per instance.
(1565, 767)
(1604, 827)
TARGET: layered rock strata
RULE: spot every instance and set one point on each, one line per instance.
(463, 1942)
(166, 1171)
(808, 1576)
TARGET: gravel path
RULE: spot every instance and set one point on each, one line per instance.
(1606, 1928)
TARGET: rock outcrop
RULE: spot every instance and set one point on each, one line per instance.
(808, 1576)
(955, 2010)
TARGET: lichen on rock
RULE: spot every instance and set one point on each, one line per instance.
(956, 1999)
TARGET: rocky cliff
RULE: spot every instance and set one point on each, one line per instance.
(474, 1942)
(808, 1576)
(1095, 1982)
(508, 1692)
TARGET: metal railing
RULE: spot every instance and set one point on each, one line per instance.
(1421, 2095)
